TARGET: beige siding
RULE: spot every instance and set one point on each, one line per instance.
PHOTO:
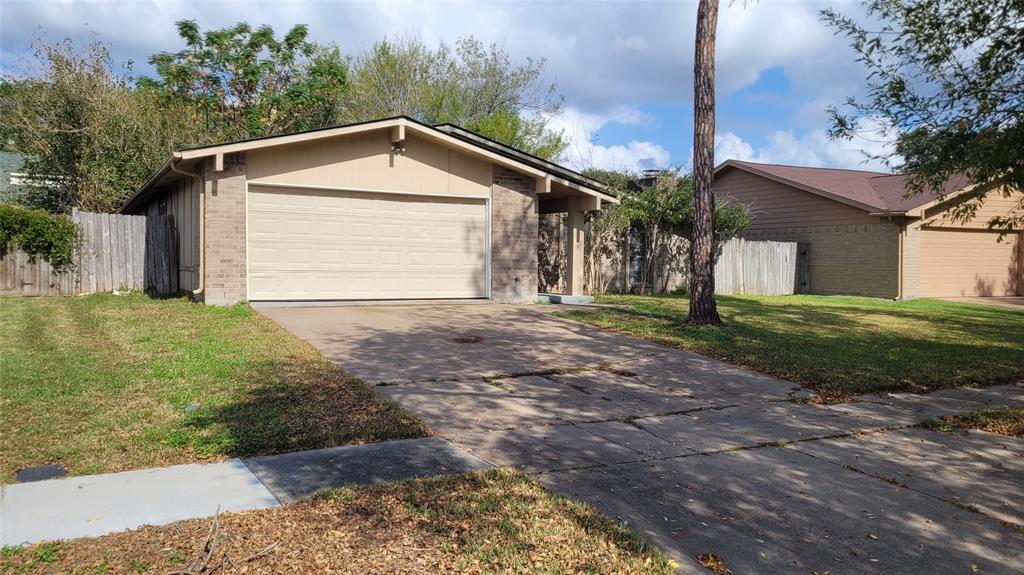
(957, 262)
(996, 204)
(847, 259)
(366, 162)
(776, 205)
(911, 261)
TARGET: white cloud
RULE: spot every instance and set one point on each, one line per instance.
(584, 151)
(811, 148)
(608, 58)
(601, 54)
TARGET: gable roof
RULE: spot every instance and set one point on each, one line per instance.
(529, 159)
(447, 134)
(876, 192)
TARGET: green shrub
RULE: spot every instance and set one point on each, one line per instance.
(39, 234)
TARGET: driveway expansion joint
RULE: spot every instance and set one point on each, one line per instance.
(753, 495)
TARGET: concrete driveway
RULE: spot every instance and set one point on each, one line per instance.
(699, 455)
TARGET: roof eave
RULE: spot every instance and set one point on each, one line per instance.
(156, 177)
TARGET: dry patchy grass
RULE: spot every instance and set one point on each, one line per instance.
(495, 521)
(837, 345)
(1001, 420)
(103, 383)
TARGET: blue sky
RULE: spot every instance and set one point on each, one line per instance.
(624, 67)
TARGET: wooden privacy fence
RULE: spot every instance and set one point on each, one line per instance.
(117, 252)
(762, 268)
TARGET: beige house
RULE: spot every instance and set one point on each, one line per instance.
(383, 210)
(866, 238)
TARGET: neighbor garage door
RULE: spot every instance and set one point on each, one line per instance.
(968, 263)
(313, 244)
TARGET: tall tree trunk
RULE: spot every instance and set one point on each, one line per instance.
(702, 264)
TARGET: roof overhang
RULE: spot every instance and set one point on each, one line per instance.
(400, 128)
(919, 211)
(794, 184)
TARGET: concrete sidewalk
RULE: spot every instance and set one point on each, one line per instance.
(98, 504)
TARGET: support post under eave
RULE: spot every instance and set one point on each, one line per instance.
(574, 250)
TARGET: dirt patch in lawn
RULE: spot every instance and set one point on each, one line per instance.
(496, 521)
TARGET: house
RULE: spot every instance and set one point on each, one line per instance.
(866, 238)
(10, 176)
(381, 210)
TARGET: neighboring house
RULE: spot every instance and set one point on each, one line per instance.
(867, 238)
(389, 209)
(10, 175)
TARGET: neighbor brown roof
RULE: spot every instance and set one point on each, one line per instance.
(874, 191)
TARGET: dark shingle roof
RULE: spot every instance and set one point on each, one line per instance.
(876, 190)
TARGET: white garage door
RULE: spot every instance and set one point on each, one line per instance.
(312, 244)
(958, 263)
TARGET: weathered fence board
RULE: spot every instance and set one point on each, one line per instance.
(113, 255)
(759, 268)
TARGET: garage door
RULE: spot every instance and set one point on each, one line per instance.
(968, 263)
(313, 244)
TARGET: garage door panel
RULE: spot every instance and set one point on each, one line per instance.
(312, 244)
(957, 263)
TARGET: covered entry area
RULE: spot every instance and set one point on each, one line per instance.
(575, 206)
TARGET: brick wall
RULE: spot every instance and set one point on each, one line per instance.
(854, 259)
(225, 232)
(514, 230)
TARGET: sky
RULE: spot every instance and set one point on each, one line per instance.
(625, 68)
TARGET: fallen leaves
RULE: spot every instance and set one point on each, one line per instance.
(496, 521)
(714, 563)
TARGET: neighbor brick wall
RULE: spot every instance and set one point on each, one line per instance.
(225, 232)
(855, 259)
(514, 229)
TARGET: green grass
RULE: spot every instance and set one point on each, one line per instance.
(1000, 420)
(105, 383)
(494, 521)
(837, 345)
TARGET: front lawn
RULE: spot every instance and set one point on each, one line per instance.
(495, 521)
(105, 383)
(837, 345)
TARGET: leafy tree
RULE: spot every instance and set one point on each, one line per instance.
(247, 83)
(474, 86)
(89, 139)
(665, 206)
(703, 310)
(949, 77)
